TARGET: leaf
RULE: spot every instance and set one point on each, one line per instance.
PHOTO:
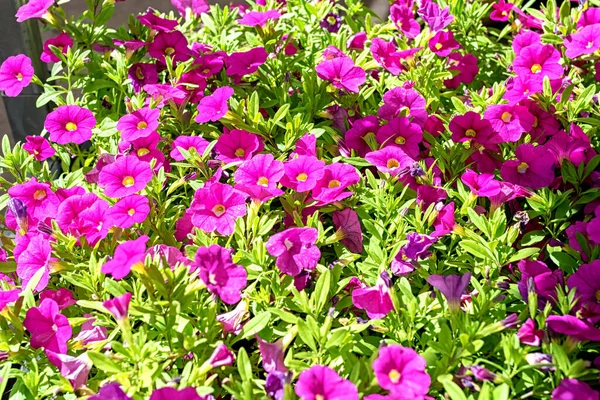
(501, 392)
(452, 389)
(321, 294)
(243, 364)
(4, 375)
(255, 325)
(474, 248)
(523, 253)
(8, 266)
(103, 363)
(306, 335)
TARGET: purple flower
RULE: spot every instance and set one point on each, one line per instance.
(232, 320)
(220, 275)
(220, 356)
(169, 44)
(246, 62)
(527, 334)
(342, 73)
(128, 255)
(8, 296)
(168, 393)
(376, 300)
(302, 173)
(573, 327)
(272, 355)
(118, 306)
(451, 286)
(323, 383)
(401, 370)
(357, 41)
(401, 132)
(132, 209)
(142, 74)
(442, 43)
(465, 65)
(295, 250)
(214, 107)
(75, 369)
(510, 122)
(348, 225)
(571, 389)
(404, 18)
(111, 391)
(238, 145)
(535, 275)
(35, 257)
(153, 21)
(533, 168)
(16, 73)
(217, 208)
(259, 18)
(90, 333)
(63, 297)
(70, 124)
(482, 374)
(275, 384)
(537, 61)
(501, 10)
(435, 17)
(49, 329)
(193, 7)
(33, 9)
(363, 130)
(332, 22)
(404, 102)
(391, 160)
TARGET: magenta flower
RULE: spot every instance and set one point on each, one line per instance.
(527, 334)
(501, 10)
(140, 123)
(385, 54)
(189, 143)
(402, 133)
(305, 146)
(39, 199)
(332, 187)
(434, 16)
(537, 61)
(259, 177)
(320, 382)
(168, 393)
(208, 65)
(63, 297)
(232, 320)
(259, 18)
(467, 69)
(404, 102)
(16, 73)
(302, 173)
(401, 370)
(586, 282)
(75, 369)
(295, 250)
(348, 225)
(118, 306)
(510, 122)
(111, 391)
(220, 275)
(8, 296)
(153, 21)
(272, 355)
(128, 255)
(585, 41)
(357, 41)
(341, 73)
(392, 160)
(404, 18)
(214, 107)
(142, 74)
(169, 44)
(161, 94)
(363, 130)
(127, 175)
(442, 43)
(483, 185)
(39, 147)
(238, 145)
(445, 221)
(146, 150)
(33, 9)
(193, 7)
(84, 215)
(62, 42)
(217, 208)
(49, 329)
(533, 168)
(573, 327)
(90, 333)
(35, 257)
(221, 356)
(525, 39)
(246, 62)
(451, 286)
(132, 209)
(571, 389)
(70, 124)
(537, 277)
(375, 300)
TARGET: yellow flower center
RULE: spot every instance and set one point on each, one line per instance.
(470, 133)
(394, 376)
(392, 163)
(302, 177)
(142, 152)
(589, 45)
(218, 210)
(206, 71)
(438, 46)
(128, 181)
(400, 140)
(598, 295)
(404, 111)
(536, 121)
(331, 19)
(319, 397)
(139, 73)
(506, 117)
(19, 77)
(131, 212)
(334, 183)
(142, 125)
(504, 13)
(263, 181)
(522, 168)
(169, 51)
(39, 194)
(71, 126)
(536, 68)
(240, 152)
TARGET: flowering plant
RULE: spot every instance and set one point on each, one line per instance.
(296, 200)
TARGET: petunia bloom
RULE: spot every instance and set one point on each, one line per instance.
(401, 101)
(401, 370)
(401, 132)
(16, 73)
(62, 42)
(442, 43)
(585, 41)
(118, 306)
(153, 21)
(392, 160)
(510, 122)
(39, 147)
(169, 393)
(302, 173)
(63, 297)
(527, 334)
(70, 124)
(533, 168)
(238, 145)
(75, 369)
(246, 62)
(132, 209)
(39, 199)
(295, 250)
(111, 391)
(190, 7)
(36, 257)
(140, 123)
(332, 187)
(170, 44)
(437, 18)
(220, 275)
(501, 10)
(575, 328)
(127, 255)
(341, 73)
(90, 333)
(538, 61)
(127, 175)
(348, 227)
(466, 67)
(188, 143)
(259, 18)
(362, 133)
(320, 382)
(142, 74)
(483, 185)
(571, 389)
(33, 9)
(375, 300)
(214, 107)
(259, 177)
(216, 208)
(49, 329)
(451, 286)
(404, 19)
(586, 282)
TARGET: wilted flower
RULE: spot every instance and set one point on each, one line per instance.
(321, 382)
(49, 329)
(348, 226)
(527, 334)
(220, 275)
(272, 355)
(401, 370)
(90, 333)
(232, 320)
(75, 369)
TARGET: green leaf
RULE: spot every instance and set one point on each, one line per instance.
(474, 248)
(255, 325)
(4, 375)
(452, 389)
(103, 363)
(243, 364)
(321, 294)
(523, 253)
(501, 392)
(306, 335)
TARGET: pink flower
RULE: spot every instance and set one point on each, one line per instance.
(193, 7)
(385, 54)
(84, 215)
(533, 168)
(127, 255)
(483, 185)
(132, 209)
(573, 327)
(272, 355)
(33, 9)
(153, 21)
(39, 147)
(445, 221)
(403, 102)
(401, 370)
(510, 122)
(63, 297)
(467, 69)
(402, 133)
(586, 282)
(208, 65)
(118, 306)
(501, 10)
(375, 300)
(16, 73)
(214, 107)
(305, 146)
(585, 41)
(90, 333)
(362, 131)
(442, 43)
(537, 277)
(259, 177)
(238, 145)
(295, 250)
(323, 383)
(70, 124)
(140, 123)
(348, 225)
(126, 176)
(63, 42)
(75, 369)
(146, 150)
(302, 173)
(537, 61)
(332, 187)
(342, 73)
(232, 320)
(49, 329)
(38, 197)
(392, 160)
(246, 62)
(142, 74)
(437, 18)
(571, 389)
(8, 296)
(35, 257)
(404, 18)
(170, 44)
(111, 391)
(161, 94)
(529, 335)
(259, 18)
(189, 143)
(525, 39)
(217, 208)
(220, 275)
(357, 41)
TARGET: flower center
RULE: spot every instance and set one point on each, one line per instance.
(536, 68)
(536, 121)
(206, 71)
(71, 126)
(131, 212)
(142, 152)
(404, 111)
(302, 177)
(218, 210)
(263, 181)
(212, 278)
(19, 77)
(589, 45)
(54, 328)
(438, 46)
(504, 13)
(598, 295)
(142, 125)
(288, 244)
(128, 181)
(169, 51)
(334, 183)
(139, 73)
(523, 167)
(400, 140)
(39, 194)
(394, 376)
(331, 19)
(319, 397)
(470, 133)
(392, 163)
(240, 152)
(506, 117)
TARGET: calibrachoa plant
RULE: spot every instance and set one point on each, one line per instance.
(296, 200)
